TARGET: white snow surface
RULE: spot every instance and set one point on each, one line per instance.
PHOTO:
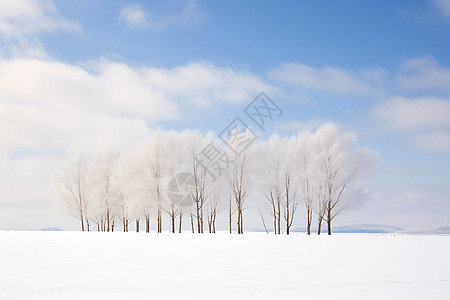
(92, 265)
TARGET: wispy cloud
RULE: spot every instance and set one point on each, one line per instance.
(22, 18)
(134, 16)
(424, 121)
(21, 21)
(331, 79)
(190, 15)
(423, 73)
(417, 113)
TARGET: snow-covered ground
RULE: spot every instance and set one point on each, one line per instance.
(76, 265)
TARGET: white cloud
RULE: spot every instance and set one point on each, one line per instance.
(330, 79)
(424, 121)
(424, 73)
(134, 16)
(190, 15)
(411, 114)
(20, 18)
(202, 84)
(42, 101)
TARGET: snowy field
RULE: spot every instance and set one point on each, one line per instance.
(75, 265)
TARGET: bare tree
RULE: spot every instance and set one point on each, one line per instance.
(157, 191)
(98, 218)
(150, 176)
(238, 180)
(108, 190)
(146, 213)
(71, 185)
(273, 193)
(307, 190)
(290, 202)
(131, 180)
(211, 214)
(123, 211)
(200, 192)
(338, 174)
(320, 208)
(173, 212)
(333, 192)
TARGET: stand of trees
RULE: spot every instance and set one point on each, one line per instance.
(320, 172)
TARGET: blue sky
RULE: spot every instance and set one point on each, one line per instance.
(77, 75)
(258, 36)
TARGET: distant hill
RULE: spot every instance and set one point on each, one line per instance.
(50, 229)
(356, 228)
(440, 230)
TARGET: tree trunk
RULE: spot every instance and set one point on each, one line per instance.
(147, 223)
(201, 220)
(198, 215)
(107, 220)
(287, 219)
(173, 223)
(319, 225)
(181, 218)
(238, 222)
(274, 223)
(214, 222)
(329, 226)
(279, 218)
(288, 225)
(192, 224)
(82, 220)
(159, 220)
(137, 225)
(308, 226)
(230, 215)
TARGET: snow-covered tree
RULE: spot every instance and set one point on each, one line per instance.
(323, 168)
(340, 165)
